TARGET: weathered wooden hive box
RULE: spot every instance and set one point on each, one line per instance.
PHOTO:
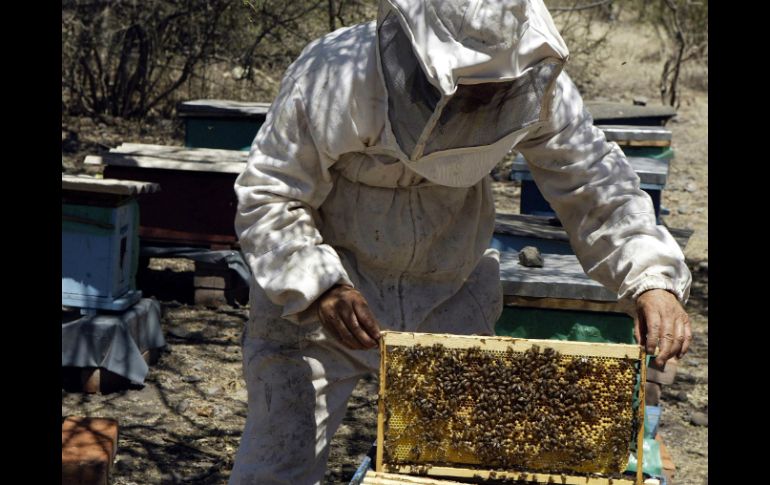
(652, 173)
(614, 113)
(558, 301)
(197, 205)
(497, 407)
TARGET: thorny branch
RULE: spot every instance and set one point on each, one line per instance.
(670, 87)
(580, 7)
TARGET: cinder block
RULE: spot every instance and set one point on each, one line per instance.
(210, 298)
(88, 447)
(217, 285)
(212, 282)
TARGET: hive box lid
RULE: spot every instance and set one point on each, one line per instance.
(85, 183)
(635, 133)
(610, 113)
(221, 108)
(560, 277)
(651, 171)
(530, 226)
(173, 158)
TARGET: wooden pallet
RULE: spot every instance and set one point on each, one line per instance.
(669, 468)
(215, 242)
(197, 204)
(215, 285)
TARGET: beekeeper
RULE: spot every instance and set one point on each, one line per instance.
(366, 205)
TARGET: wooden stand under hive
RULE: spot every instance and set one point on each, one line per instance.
(542, 411)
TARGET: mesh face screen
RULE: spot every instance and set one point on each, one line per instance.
(411, 97)
(481, 114)
(538, 411)
(476, 115)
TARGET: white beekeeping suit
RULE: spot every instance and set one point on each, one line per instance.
(371, 171)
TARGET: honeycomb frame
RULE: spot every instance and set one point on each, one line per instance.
(439, 452)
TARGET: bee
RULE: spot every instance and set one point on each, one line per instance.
(416, 451)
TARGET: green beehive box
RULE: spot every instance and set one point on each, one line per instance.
(572, 325)
(222, 124)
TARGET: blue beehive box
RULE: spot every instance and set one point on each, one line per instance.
(100, 242)
(652, 172)
(648, 148)
(533, 202)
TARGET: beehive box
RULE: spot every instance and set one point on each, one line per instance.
(497, 407)
(221, 123)
(649, 162)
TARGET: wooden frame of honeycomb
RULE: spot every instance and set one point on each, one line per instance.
(543, 411)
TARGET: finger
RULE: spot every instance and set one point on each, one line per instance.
(651, 322)
(638, 330)
(333, 319)
(676, 346)
(666, 343)
(348, 315)
(687, 336)
(367, 320)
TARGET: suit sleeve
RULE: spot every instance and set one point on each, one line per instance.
(595, 192)
(285, 181)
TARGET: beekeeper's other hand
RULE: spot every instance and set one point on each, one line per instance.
(344, 312)
(662, 322)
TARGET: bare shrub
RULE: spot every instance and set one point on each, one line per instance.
(128, 58)
(682, 27)
(125, 58)
(584, 25)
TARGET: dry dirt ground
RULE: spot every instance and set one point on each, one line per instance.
(184, 425)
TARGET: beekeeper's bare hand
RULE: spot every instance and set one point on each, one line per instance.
(344, 312)
(662, 322)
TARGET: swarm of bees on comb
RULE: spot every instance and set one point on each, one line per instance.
(534, 410)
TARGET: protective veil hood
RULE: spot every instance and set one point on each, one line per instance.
(464, 78)
(472, 41)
